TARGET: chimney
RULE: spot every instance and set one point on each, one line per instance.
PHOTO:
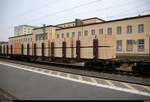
(44, 26)
(78, 22)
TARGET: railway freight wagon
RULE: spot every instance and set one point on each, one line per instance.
(84, 49)
(47, 46)
(20, 47)
(76, 50)
(4, 49)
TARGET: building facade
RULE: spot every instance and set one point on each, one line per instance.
(17, 42)
(3, 47)
(23, 30)
(132, 34)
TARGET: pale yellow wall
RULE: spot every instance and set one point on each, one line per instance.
(104, 40)
(49, 30)
(88, 21)
(52, 36)
(124, 36)
(22, 40)
(135, 35)
(92, 21)
(67, 25)
(2, 45)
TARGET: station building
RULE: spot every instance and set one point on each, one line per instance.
(132, 34)
(3, 47)
(22, 41)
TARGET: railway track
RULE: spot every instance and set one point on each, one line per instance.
(122, 76)
(71, 66)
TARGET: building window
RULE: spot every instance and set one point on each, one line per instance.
(129, 29)
(100, 31)
(141, 45)
(36, 37)
(119, 45)
(57, 35)
(73, 34)
(129, 45)
(93, 32)
(67, 35)
(85, 33)
(109, 31)
(79, 33)
(40, 37)
(62, 35)
(141, 28)
(45, 36)
(119, 30)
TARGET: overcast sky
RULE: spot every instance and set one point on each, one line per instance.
(38, 12)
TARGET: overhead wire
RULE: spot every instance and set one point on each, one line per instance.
(126, 12)
(93, 10)
(28, 13)
(65, 10)
(103, 9)
(41, 7)
(114, 6)
(131, 13)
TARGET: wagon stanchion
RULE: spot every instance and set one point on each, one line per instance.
(0, 50)
(52, 52)
(95, 50)
(43, 50)
(7, 50)
(63, 51)
(22, 49)
(78, 50)
(28, 49)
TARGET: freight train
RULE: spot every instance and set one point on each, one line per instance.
(71, 43)
(95, 53)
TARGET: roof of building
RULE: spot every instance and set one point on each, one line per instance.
(27, 26)
(122, 19)
(46, 27)
(20, 36)
(3, 42)
(67, 23)
(82, 20)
